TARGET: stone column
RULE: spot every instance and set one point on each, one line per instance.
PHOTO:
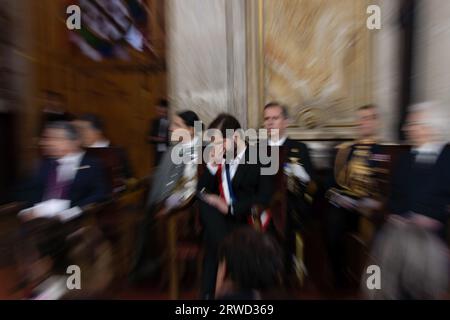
(386, 75)
(206, 57)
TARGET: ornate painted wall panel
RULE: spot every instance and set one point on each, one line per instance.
(317, 57)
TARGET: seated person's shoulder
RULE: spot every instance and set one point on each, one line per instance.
(446, 150)
(91, 161)
(296, 145)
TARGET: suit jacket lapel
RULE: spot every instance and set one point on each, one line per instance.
(238, 175)
(241, 169)
(79, 174)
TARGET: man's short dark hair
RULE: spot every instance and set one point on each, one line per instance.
(224, 122)
(252, 259)
(274, 104)
(94, 121)
(69, 129)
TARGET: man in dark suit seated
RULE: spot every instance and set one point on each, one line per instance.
(297, 178)
(229, 189)
(66, 173)
(92, 134)
(66, 182)
(421, 180)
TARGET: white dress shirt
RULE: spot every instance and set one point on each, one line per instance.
(68, 166)
(428, 152)
(278, 143)
(60, 208)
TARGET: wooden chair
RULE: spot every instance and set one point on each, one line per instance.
(9, 226)
(12, 240)
(183, 245)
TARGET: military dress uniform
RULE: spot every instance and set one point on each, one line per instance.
(291, 203)
(355, 178)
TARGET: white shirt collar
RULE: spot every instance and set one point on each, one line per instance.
(432, 147)
(278, 143)
(71, 158)
(100, 144)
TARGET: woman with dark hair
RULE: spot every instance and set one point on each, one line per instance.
(173, 184)
(229, 188)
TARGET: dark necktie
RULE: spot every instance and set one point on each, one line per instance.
(220, 182)
(55, 189)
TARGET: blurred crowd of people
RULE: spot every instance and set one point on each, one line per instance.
(251, 222)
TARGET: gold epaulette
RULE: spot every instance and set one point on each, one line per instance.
(389, 144)
(340, 164)
(345, 145)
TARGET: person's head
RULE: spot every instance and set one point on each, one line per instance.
(367, 121)
(227, 123)
(59, 139)
(91, 129)
(413, 263)
(426, 123)
(248, 260)
(183, 121)
(162, 108)
(276, 117)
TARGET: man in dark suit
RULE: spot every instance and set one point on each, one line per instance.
(66, 172)
(229, 189)
(115, 158)
(66, 182)
(420, 190)
(159, 131)
(296, 178)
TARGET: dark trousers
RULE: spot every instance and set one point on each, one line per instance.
(216, 227)
(298, 219)
(338, 223)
